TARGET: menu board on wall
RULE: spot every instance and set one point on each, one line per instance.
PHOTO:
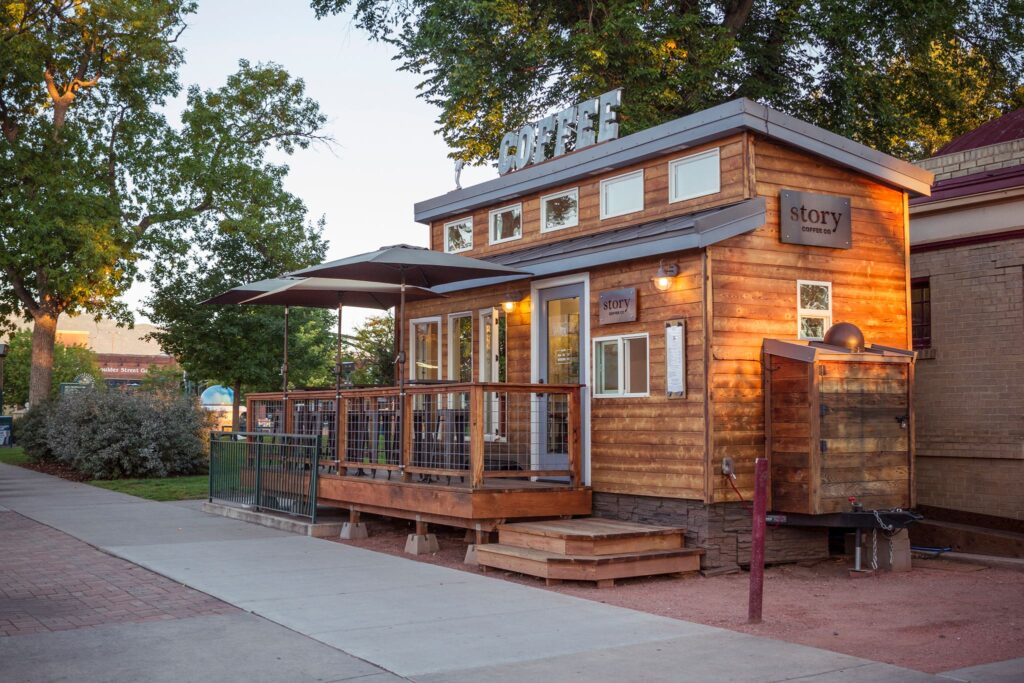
(675, 359)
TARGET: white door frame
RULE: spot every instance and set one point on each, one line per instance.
(535, 323)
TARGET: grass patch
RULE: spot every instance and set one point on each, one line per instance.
(165, 489)
(13, 456)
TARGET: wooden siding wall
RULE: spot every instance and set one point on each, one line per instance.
(790, 438)
(753, 293)
(652, 445)
(734, 187)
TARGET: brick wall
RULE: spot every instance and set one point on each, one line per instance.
(969, 397)
(991, 157)
(722, 529)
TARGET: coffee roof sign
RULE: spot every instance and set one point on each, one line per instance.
(579, 126)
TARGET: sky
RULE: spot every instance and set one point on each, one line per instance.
(386, 156)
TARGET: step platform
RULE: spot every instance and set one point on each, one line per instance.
(589, 549)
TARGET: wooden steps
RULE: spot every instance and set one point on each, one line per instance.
(588, 549)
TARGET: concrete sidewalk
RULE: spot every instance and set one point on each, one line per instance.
(416, 620)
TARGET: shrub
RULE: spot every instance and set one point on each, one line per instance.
(112, 435)
(30, 431)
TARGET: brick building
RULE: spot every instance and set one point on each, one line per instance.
(967, 253)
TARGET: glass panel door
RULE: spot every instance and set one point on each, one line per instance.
(561, 362)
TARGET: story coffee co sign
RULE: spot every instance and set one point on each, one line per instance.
(617, 306)
(579, 126)
(816, 220)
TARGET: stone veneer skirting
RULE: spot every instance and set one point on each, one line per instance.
(721, 529)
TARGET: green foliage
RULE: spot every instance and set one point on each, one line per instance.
(164, 379)
(903, 76)
(94, 179)
(68, 363)
(30, 431)
(372, 347)
(115, 435)
(13, 456)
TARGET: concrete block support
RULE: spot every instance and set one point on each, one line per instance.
(353, 531)
(421, 544)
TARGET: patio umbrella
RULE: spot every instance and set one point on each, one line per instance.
(319, 292)
(406, 265)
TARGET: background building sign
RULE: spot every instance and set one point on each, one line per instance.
(816, 220)
(579, 126)
(617, 306)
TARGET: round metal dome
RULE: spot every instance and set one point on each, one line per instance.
(217, 395)
(846, 335)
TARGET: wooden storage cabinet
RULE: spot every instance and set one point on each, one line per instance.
(839, 424)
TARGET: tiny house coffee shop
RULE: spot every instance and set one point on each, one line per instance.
(668, 327)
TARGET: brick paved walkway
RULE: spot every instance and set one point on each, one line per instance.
(50, 581)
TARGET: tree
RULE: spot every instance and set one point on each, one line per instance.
(94, 179)
(900, 76)
(69, 363)
(242, 346)
(372, 347)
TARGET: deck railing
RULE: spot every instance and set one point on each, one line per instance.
(471, 431)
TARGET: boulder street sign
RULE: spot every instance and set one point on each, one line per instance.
(579, 126)
(617, 306)
(816, 220)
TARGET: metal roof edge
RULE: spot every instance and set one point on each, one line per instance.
(688, 131)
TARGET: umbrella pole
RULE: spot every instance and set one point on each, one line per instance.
(284, 373)
(401, 378)
(337, 395)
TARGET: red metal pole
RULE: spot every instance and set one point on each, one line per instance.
(757, 541)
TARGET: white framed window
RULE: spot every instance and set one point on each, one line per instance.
(460, 347)
(813, 309)
(621, 366)
(425, 349)
(622, 194)
(560, 210)
(695, 176)
(506, 223)
(458, 235)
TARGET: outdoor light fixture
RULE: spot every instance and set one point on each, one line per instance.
(508, 304)
(663, 279)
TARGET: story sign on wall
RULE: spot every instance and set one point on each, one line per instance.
(617, 306)
(816, 220)
(579, 126)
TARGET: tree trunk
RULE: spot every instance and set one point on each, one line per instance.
(44, 335)
(236, 406)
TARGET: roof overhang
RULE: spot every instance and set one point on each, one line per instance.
(683, 133)
(654, 238)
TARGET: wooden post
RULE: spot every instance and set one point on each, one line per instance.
(476, 436)
(575, 438)
(289, 408)
(407, 436)
(757, 541)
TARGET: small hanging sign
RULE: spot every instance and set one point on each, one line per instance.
(675, 359)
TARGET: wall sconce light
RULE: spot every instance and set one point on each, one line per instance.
(508, 304)
(663, 279)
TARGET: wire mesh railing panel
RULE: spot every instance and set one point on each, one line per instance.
(441, 430)
(316, 417)
(372, 431)
(275, 472)
(527, 432)
(266, 415)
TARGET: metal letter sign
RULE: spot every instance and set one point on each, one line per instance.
(617, 306)
(579, 126)
(816, 220)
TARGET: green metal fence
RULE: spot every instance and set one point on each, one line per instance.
(276, 472)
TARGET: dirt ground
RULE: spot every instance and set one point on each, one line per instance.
(942, 615)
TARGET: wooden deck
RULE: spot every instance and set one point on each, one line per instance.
(589, 549)
(458, 454)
